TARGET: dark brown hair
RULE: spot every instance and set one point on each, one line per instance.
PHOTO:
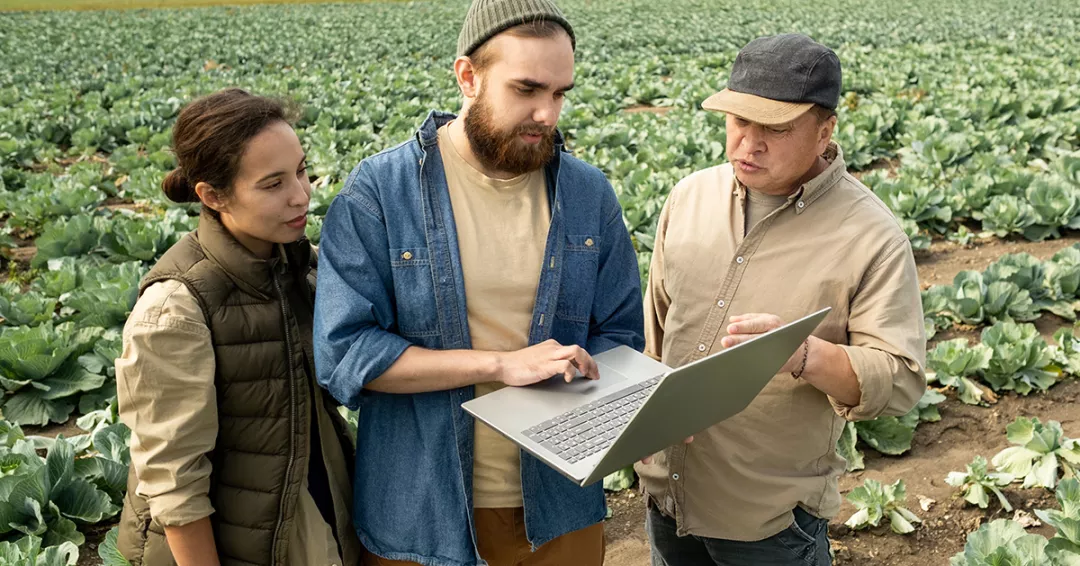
(210, 137)
(484, 56)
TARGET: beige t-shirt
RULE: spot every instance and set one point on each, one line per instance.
(759, 205)
(502, 229)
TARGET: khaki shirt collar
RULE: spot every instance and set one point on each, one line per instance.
(816, 187)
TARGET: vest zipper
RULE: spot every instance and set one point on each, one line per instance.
(292, 420)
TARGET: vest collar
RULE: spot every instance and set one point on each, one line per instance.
(252, 274)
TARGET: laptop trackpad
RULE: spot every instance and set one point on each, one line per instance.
(558, 387)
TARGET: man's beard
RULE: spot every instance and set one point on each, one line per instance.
(506, 151)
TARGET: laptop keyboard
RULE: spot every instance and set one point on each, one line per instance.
(586, 430)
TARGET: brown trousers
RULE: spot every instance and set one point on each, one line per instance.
(500, 534)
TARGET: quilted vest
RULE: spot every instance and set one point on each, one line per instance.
(263, 397)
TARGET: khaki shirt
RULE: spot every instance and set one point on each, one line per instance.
(833, 243)
(502, 228)
(166, 377)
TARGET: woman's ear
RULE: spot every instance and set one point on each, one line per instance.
(210, 197)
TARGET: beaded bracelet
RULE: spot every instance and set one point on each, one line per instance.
(806, 354)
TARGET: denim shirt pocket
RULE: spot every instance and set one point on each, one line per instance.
(414, 289)
(581, 263)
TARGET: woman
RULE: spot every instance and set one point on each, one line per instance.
(237, 457)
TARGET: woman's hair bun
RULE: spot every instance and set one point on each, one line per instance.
(177, 187)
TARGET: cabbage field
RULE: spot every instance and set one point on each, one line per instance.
(963, 116)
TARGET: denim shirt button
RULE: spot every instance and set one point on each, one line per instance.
(589, 242)
(406, 256)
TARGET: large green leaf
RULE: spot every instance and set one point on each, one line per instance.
(35, 353)
(620, 480)
(845, 447)
(1062, 552)
(28, 552)
(109, 553)
(887, 435)
(1001, 542)
(30, 407)
(83, 501)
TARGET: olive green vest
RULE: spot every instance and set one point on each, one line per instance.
(263, 397)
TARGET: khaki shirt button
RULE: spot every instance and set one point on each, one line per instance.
(589, 242)
(739, 259)
(675, 477)
(701, 347)
(720, 304)
(801, 204)
(406, 256)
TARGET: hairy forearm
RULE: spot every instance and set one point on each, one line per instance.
(193, 544)
(420, 370)
(829, 369)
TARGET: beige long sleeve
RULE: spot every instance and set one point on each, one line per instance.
(166, 395)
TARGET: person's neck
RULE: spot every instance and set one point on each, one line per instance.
(460, 139)
(818, 168)
(261, 248)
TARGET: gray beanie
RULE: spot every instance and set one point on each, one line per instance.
(487, 18)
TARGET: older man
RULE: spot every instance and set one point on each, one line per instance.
(780, 231)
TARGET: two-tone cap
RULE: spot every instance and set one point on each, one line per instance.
(776, 79)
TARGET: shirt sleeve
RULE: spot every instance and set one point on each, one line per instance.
(887, 338)
(166, 396)
(354, 306)
(657, 300)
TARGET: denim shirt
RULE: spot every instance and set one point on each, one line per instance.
(390, 277)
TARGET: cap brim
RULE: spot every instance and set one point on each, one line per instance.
(756, 108)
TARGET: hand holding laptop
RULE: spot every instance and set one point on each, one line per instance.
(748, 326)
(744, 327)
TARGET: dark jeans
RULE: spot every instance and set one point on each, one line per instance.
(804, 543)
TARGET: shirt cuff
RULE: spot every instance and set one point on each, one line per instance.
(183, 505)
(875, 370)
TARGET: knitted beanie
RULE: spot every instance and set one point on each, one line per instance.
(487, 18)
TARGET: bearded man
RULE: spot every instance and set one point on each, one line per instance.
(475, 256)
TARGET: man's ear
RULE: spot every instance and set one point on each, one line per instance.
(825, 133)
(467, 79)
(211, 197)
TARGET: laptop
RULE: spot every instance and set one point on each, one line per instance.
(587, 429)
